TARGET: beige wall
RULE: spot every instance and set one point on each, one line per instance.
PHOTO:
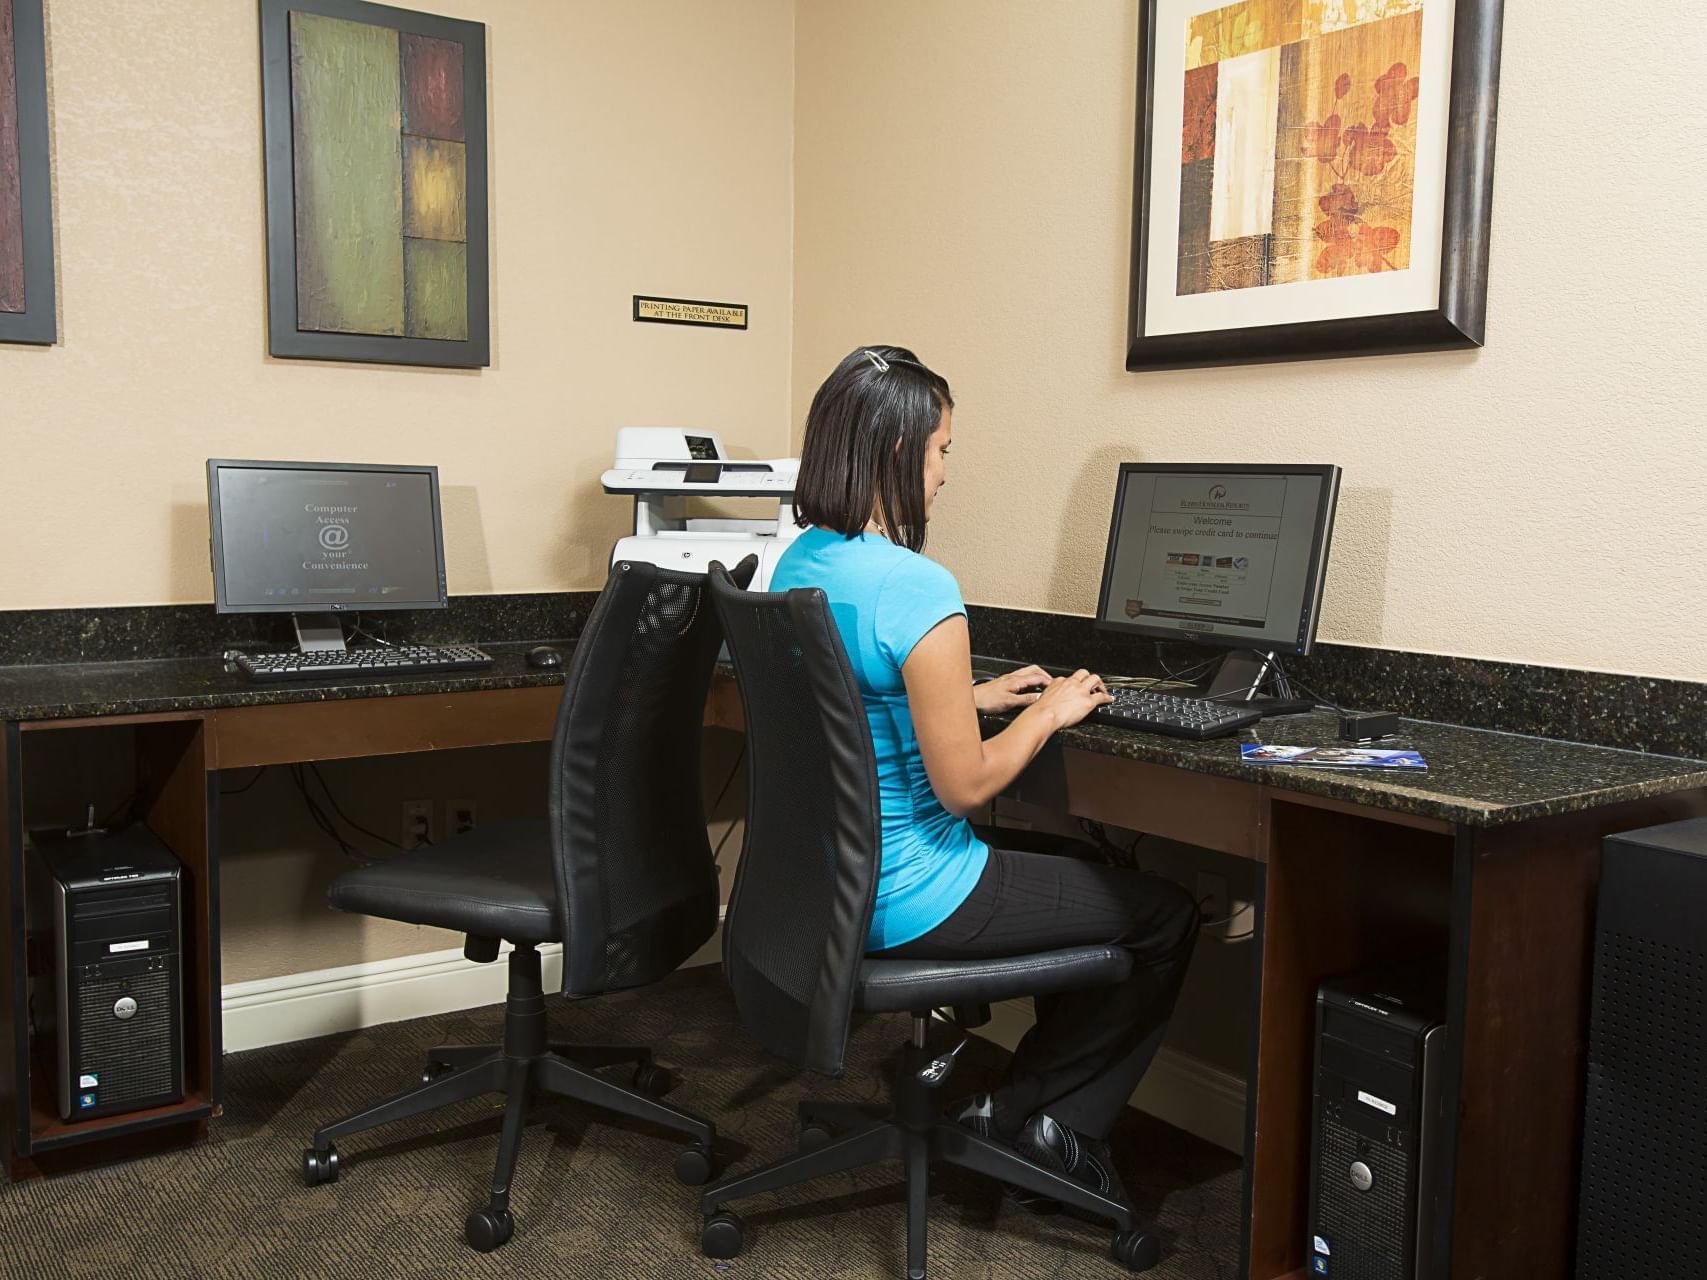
(274, 865)
(637, 146)
(964, 186)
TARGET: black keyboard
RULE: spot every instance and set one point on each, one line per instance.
(402, 659)
(1168, 713)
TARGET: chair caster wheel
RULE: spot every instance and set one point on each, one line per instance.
(433, 1071)
(488, 1228)
(721, 1235)
(693, 1166)
(814, 1136)
(1136, 1250)
(650, 1078)
(320, 1166)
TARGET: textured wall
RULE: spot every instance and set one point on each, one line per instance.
(964, 186)
(637, 146)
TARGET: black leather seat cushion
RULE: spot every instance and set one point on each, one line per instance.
(494, 882)
(902, 986)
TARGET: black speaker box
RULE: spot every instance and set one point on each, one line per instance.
(110, 909)
(1642, 1214)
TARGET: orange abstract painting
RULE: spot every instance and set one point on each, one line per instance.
(1298, 148)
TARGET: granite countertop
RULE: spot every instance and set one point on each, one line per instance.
(1477, 777)
(61, 691)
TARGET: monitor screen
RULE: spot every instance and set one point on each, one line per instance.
(316, 537)
(1230, 555)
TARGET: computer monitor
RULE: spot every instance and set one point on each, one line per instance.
(317, 539)
(1231, 556)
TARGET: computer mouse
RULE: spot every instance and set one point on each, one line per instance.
(543, 655)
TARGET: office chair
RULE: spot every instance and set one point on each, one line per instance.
(620, 873)
(794, 936)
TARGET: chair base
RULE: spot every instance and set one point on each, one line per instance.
(522, 1068)
(915, 1133)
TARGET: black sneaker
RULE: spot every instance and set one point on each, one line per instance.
(978, 1115)
(1085, 1160)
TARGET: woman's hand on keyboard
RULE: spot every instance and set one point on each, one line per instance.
(1010, 692)
(1070, 699)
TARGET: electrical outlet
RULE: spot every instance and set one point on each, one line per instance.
(417, 823)
(460, 816)
(1212, 897)
(1244, 921)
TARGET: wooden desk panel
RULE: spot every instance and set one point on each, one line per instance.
(14, 998)
(1223, 814)
(1342, 892)
(291, 732)
(1523, 959)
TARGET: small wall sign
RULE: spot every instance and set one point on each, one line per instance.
(714, 315)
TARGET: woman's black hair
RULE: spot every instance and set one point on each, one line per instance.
(864, 452)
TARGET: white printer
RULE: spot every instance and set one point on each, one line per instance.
(660, 467)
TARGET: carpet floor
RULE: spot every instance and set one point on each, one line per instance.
(593, 1194)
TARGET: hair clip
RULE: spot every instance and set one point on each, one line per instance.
(878, 362)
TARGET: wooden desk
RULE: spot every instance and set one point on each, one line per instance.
(1343, 887)
(1492, 864)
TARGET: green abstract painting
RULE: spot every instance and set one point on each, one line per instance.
(382, 115)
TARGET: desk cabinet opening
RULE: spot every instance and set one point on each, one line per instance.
(144, 781)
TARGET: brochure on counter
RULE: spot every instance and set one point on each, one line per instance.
(1334, 757)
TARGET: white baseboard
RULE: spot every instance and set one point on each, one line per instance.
(1180, 1089)
(1184, 1091)
(300, 1006)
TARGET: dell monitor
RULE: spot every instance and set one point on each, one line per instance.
(317, 539)
(1230, 557)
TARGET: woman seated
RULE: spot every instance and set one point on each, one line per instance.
(873, 461)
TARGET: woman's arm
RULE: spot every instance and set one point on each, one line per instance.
(965, 768)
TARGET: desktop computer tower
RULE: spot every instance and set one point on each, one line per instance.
(109, 998)
(1375, 1126)
(1642, 1214)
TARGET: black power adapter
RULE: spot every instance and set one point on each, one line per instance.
(1367, 726)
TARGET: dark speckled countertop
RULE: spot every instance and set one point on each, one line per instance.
(1477, 777)
(60, 691)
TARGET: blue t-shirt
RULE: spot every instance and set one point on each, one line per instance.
(884, 599)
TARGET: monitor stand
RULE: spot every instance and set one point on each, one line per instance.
(1239, 681)
(319, 632)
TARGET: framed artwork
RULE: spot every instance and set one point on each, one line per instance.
(375, 123)
(1314, 178)
(27, 311)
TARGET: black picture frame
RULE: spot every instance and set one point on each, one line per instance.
(38, 322)
(1459, 319)
(284, 339)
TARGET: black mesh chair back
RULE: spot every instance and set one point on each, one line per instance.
(635, 881)
(795, 932)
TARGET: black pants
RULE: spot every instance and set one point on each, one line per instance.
(1090, 1047)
